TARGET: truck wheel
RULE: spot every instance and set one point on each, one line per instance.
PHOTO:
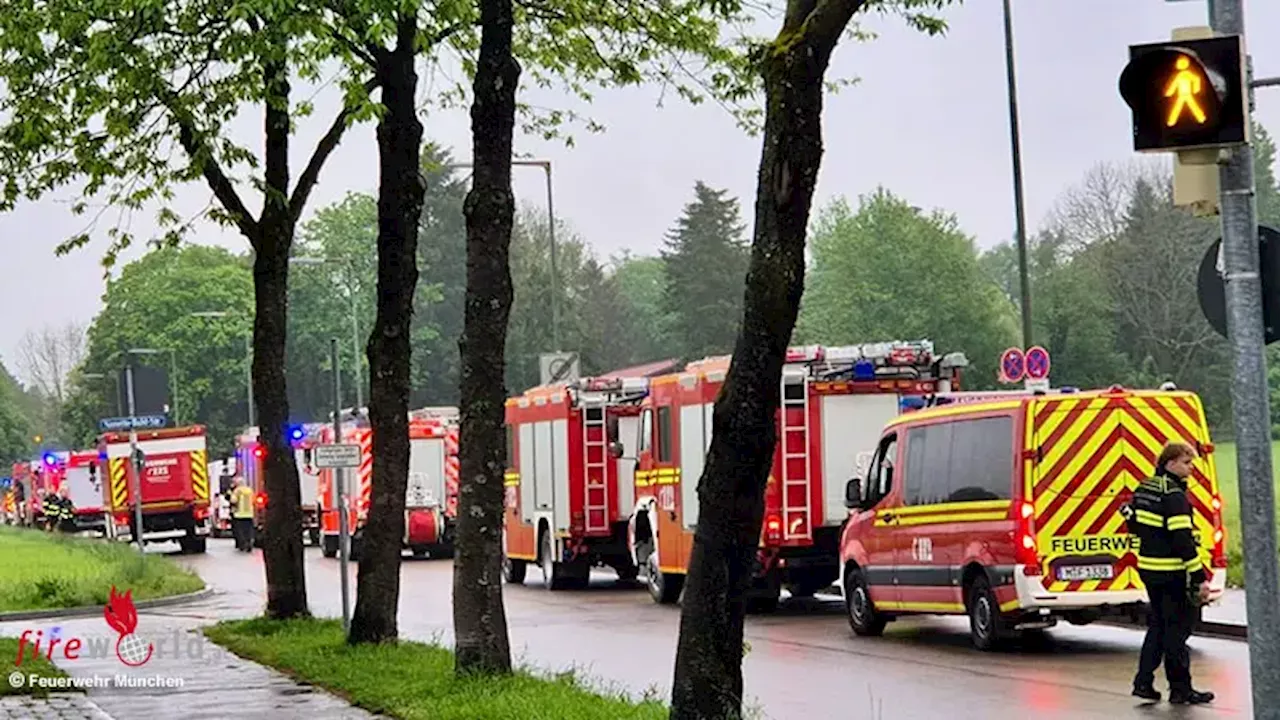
(863, 618)
(986, 625)
(329, 546)
(513, 570)
(664, 588)
(627, 571)
(554, 576)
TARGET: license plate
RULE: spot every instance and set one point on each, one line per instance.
(1086, 572)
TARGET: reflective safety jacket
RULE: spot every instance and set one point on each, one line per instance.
(1160, 516)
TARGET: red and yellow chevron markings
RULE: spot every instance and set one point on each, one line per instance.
(451, 472)
(200, 475)
(1093, 452)
(119, 482)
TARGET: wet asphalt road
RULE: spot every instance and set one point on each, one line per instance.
(804, 662)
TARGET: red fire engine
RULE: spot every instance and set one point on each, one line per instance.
(568, 497)
(431, 496)
(834, 402)
(250, 452)
(174, 484)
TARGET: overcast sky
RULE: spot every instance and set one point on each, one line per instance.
(928, 120)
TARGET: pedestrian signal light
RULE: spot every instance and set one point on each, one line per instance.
(1187, 94)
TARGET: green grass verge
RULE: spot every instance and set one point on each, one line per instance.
(37, 666)
(40, 571)
(1224, 457)
(415, 680)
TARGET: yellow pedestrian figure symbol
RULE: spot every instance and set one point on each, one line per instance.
(1183, 88)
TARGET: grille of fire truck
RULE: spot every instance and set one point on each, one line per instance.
(595, 449)
(795, 457)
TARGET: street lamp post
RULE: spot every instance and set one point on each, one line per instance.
(248, 357)
(551, 240)
(1015, 147)
(355, 327)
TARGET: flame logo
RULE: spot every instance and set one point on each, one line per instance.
(123, 618)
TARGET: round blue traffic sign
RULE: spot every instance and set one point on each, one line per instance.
(1013, 365)
(1037, 362)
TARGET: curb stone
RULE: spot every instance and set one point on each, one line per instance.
(90, 610)
(1221, 630)
(55, 706)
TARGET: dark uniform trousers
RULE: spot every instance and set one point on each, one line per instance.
(1171, 616)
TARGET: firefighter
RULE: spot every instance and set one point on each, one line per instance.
(242, 516)
(1170, 567)
(65, 512)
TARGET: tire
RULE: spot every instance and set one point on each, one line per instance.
(513, 571)
(987, 627)
(864, 619)
(557, 575)
(763, 603)
(628, 572)
(664, 588)
(329, 546)
(197, 546)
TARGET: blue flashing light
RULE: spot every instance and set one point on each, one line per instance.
(911, 403)
(50, 459)
(296, 434)
(1068, 390)
(864, 370)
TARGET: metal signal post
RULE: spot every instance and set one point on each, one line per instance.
(1249, 395)
(340, 482)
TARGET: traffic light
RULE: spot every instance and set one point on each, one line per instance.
(1187, 94)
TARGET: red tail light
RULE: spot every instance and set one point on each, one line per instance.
(261, 500)
(122, 518)
(259, 452)
(1025, 553)
(201, 513)
(1219, 536)
(773, 528)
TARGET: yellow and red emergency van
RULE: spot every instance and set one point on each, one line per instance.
(1007, 509)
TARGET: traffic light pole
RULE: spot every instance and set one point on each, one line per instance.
(135, 457)
(1249, 396)
(340, 493)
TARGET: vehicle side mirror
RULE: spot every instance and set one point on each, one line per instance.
(616, 450)
(853, 493)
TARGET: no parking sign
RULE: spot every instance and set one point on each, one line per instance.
(1013, 365)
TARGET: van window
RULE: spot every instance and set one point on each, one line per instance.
(964, 461)
(981, 460)
(879, 481)
(664, 434)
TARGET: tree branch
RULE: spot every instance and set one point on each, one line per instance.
(219, 183)
(307, 180)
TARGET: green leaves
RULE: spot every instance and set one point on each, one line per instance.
(886, 270)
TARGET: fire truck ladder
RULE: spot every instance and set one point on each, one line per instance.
(795, 396)
(595, 446)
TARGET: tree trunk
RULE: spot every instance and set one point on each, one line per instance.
(400, 197)
(708, 671)
(282, 552)
(479, 618)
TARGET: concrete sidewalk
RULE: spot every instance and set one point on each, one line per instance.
(1229, 610)
(186, 678)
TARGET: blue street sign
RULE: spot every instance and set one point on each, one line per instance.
(142, 422)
